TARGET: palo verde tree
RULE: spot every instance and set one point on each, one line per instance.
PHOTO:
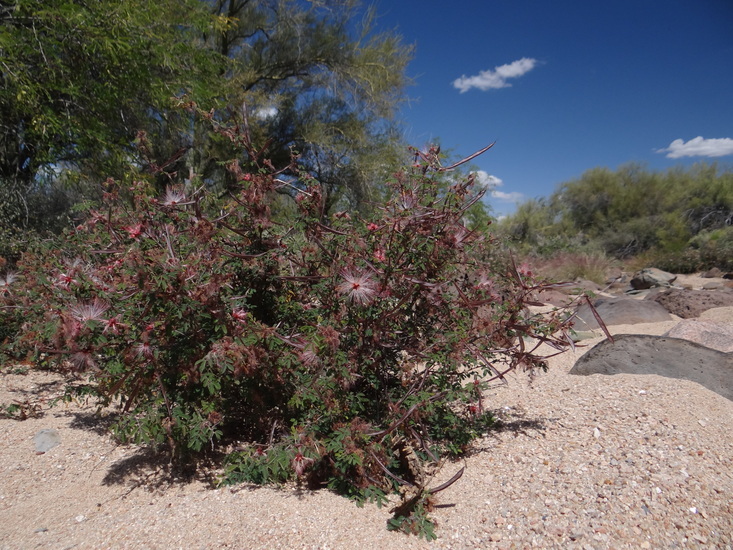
(318, 80)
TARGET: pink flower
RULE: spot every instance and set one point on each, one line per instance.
(64, 281)
(308, 357)
(240, 315)
(83, 361)
(174, 196)
(134, 230)
(371, 226)
(300, 463)
(525, 270)
(460, 236)
(112, 325)
(90, 311)
(5, 282)
(358, 287)
(379, 255)
(144, 350)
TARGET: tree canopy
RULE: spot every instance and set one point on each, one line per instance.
(80, 80)
(319, 81)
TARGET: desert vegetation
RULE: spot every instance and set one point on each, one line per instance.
(208, 223)
(680, 220)
(220, 242)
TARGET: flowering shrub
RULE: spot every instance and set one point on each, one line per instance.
(345, 352)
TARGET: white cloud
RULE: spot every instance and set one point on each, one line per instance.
(699, 147)
(266, 113)
(490, 182)
(488, 79)
(507, 197)
(486, 180)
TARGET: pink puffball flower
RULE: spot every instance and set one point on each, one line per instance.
(174, 196)
(300, 464)
(359, 288)
(134, 231)
(90, 311)
(240, 315)
(113, 325)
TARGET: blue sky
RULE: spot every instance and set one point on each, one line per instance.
(564, 86)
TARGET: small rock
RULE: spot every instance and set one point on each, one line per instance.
(45, 440)
(651, 277)
(713, 285)
(713, 273)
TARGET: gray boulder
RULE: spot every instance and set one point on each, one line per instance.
(663, 356)
(706, 333)
(691, 303)
(651, 277)
(620, 311)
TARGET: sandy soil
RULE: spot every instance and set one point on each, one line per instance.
(581, 462)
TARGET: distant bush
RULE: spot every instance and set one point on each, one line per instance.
(715, 248)
(630, 212)
(569, 266)
(350, 353)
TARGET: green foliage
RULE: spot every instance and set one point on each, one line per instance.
(351, 354)
(318, 80)
(715, 247)
(80, 79)
(629, 212)
(88, 87)
(416, 521)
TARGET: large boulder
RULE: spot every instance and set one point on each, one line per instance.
(620, 311)
(691, 303)
(706, 333)
(669, 357)
(651, 277)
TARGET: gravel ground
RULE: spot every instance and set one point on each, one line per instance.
(623, 462)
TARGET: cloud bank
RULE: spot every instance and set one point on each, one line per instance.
(490, 80)
(699, 147)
